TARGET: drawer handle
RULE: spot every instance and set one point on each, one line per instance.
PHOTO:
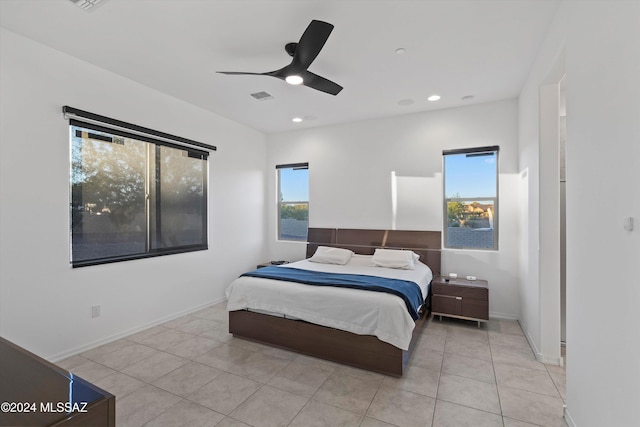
(449, 296)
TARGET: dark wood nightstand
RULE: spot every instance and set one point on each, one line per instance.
(269, 263)
(460, 298)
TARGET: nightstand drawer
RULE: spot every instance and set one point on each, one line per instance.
(446, 304)
(460, 291)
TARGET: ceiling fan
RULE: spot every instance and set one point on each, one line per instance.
(304, 52)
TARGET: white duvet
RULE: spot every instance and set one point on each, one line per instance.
(353, 310)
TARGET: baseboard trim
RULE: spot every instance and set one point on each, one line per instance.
(81, 349)
(568, 418)
(536, 352)
(502, 316)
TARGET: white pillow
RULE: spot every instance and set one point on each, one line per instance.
(395, 258)
(328, 255)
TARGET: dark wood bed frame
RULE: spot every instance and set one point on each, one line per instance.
(361, 351)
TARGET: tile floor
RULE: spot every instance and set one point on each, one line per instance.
(191, 372)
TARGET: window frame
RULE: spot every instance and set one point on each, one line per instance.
(475, 151)
(279, 203)
(151, 209)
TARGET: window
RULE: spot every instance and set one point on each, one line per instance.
(293, 201)
(471, 198)
(134, 197)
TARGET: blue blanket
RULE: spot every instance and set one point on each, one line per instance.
(409, 291)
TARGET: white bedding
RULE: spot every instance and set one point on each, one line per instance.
(353, 310)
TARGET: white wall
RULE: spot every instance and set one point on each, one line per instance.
(350, 169)
(601, 41)
(44, 303)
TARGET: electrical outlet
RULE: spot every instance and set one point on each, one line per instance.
(95, 311)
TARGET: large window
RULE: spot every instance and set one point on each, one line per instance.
(133, 197)
(471, 198)
(293, 201)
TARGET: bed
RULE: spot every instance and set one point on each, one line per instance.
(267, 311)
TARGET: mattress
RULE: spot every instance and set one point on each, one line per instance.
(354, 310)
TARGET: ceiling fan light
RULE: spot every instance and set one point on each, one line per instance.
(294, 80)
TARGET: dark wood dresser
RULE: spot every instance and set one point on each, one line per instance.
(34, 392)
(460, 298)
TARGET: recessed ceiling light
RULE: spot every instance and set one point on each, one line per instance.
(400, 50)
(467, 98)
(433, 98)
(296, 119)
(293, 80)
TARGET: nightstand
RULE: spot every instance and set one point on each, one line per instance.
(270, 263)
(460, 298)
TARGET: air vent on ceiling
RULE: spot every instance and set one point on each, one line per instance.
(85, 4)
(262, 96)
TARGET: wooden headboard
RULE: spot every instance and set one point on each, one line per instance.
(427, 244)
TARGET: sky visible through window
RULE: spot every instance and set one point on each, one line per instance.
(470, 176)
(294, 184)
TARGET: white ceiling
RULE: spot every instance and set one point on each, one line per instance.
(453, 48)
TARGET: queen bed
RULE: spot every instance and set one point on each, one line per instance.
(374, 328)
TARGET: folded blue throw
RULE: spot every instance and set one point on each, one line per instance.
(409, 291)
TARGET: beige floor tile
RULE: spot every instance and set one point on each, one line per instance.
(92, 371)
(216, 313)
(505, 326)
(187, 378)
(372, 422)
(316, 414)
(156, 366)
(426, 358)
(165, 339)
(230, 422)
(300, 378)
(515, 356)
(508, 422)
(269, 407)
(259, 366)
(198, 325)
(146, 333)
(432, 340)
(143, 405)
(185, 413)
(469, 367)
(347, 392)
(471, 348)
(531, 407)
(119, 384)
(125, 357)
(106, 349)
(314, 361)
(173, 324)
(220, 334)
(527, 379)
(193, 348)
(224, 356)
(467, 334)
(560, 381)
(416, 380)
(401, 407)
(518, 341)
(225, 393)
(452, 415)
(362, 374)
(469, 392)
(71, 362)
(435, 326)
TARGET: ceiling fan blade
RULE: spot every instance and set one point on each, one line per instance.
(310, 44)
(317, 82)
(239, 73)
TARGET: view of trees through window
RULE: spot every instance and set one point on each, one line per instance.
(293, 205)
(134, 198)
(471, 198)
